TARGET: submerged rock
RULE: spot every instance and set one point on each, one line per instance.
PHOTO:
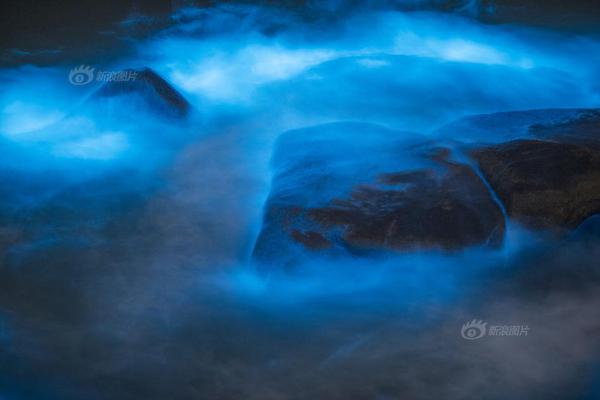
(542, 124)
(583, 129)
(449, 208)
(359, 189)
(148, 90)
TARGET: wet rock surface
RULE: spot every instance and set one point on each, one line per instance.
(546, 167)
(334, 194)
(360, 189)
(543, 184)
(448, 208)
(546, 124)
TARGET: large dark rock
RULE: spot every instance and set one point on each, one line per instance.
(447, 208)
(360, 189)
(352, 188)
(544, 184)
(544, 165)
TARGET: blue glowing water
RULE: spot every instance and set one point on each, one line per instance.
(130, 233)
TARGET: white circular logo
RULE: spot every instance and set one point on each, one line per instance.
(81, 75)
(474, 330)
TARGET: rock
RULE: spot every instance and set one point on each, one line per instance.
(148, 89)
(544, 165)
(583, 129)
(544, 184)
(505, 126)
(120, 120)
(360, 189)
(449, 208)
(530, 124)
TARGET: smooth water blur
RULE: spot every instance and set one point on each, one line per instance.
(127, 273)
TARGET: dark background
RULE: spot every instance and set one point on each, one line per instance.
(67, 31)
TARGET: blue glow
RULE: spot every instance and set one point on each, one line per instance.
(410, 72)
(163, 212)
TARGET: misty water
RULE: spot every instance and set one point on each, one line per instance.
(127, 235)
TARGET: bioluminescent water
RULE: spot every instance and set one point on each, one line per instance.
(135, 218)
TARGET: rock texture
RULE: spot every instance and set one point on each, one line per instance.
(543, 184)
(359, 189)
(354, 193)
(447, 208)
(147, 87)
(543, 164)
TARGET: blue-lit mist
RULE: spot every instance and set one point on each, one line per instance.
(161, 215)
